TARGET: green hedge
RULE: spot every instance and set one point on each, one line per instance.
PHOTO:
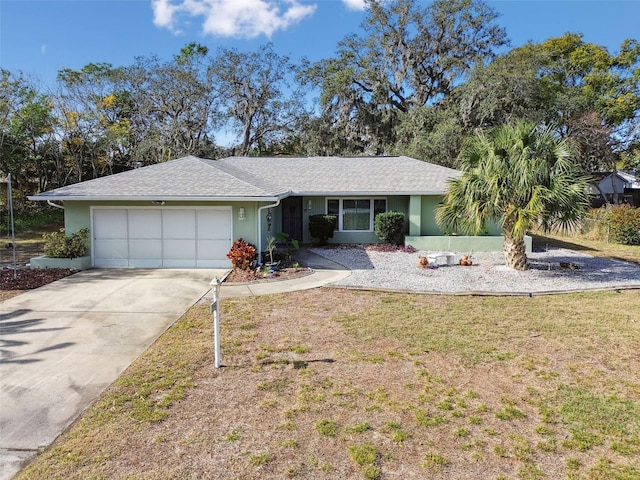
(322, 227)
(624, 224)
(58, 245)
(389, 226)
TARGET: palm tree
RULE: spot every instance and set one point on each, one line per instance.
(516, 175)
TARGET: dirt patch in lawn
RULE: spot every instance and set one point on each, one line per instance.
(14, 282)
(337, 384)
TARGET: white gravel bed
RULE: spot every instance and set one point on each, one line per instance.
(488, 274)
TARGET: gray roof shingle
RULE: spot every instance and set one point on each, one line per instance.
(236, 178)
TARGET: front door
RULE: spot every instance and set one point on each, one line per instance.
(292, 217)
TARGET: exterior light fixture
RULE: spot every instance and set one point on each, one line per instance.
(241, 213)
(309, 204)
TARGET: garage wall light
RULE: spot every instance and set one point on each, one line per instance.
(241, 213)
(309, 205)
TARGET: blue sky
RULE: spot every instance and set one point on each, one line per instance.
(40, 37)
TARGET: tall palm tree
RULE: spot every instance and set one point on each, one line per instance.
(516, 175)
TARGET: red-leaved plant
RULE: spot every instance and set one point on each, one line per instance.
(242, 254)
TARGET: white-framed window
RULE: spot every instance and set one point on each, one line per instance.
(356, 214)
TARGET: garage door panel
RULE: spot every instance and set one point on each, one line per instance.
(212, 249)
(179, 249)
(111, 248)
(145, 248)
(179, 224)
(145, 224)
(110, 224)
(214, 224)
(145, 263)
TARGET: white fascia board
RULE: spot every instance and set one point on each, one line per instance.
(107, 198)
(366, 194)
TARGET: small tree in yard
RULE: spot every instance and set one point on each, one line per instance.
(517, 175)
(389, 226)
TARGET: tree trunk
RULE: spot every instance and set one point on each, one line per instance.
(515, 254)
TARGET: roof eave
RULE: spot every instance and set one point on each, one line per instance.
(155, 198)
(367, 193)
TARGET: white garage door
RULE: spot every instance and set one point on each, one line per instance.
(161, 237)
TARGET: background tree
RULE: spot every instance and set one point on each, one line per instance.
(174, 106)
(257, 96)
(27, 126)
(586, 93)
(411, 55)
(517, 175)
(93, 132)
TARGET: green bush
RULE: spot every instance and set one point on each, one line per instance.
(389, 226)
(59, 245)
(322, 227)
(624, 224)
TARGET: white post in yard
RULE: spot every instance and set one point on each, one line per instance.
(215, 310)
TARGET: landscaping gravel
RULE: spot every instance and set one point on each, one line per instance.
(555, 270)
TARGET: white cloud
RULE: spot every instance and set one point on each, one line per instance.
(355, 4)
(232, 18)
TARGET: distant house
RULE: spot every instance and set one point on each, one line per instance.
(187, 212)
(624, 183)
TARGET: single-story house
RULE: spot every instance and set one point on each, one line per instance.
(624, 183)
(187, 212)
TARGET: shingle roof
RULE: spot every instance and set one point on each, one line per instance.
(187, 178)
(236, 178)
(353, 175)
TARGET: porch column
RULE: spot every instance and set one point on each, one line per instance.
(415, 215)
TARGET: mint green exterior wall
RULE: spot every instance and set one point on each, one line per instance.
(464, 244)
(427, 214)
(428, 225)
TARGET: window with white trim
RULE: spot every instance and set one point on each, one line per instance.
(356, 214)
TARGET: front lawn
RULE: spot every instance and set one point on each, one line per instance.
(597, 248)
(339, 384)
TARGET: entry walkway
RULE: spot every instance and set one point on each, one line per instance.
(324, 272)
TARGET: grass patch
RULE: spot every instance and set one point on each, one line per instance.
(328, 428)
(434, 461)
(597, 248)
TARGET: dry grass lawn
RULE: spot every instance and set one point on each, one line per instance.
(339, 384)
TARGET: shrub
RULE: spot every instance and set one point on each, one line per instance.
(242, 254)
(59, 245)
(322, 227)
(624, 224)
(389, 226)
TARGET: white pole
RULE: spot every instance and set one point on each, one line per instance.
(13, 230)
(215, 310)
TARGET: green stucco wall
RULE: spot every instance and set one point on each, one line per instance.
(462, 243)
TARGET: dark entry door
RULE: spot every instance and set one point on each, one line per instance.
(292, 217)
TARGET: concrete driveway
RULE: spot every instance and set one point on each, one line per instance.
(61, 345)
